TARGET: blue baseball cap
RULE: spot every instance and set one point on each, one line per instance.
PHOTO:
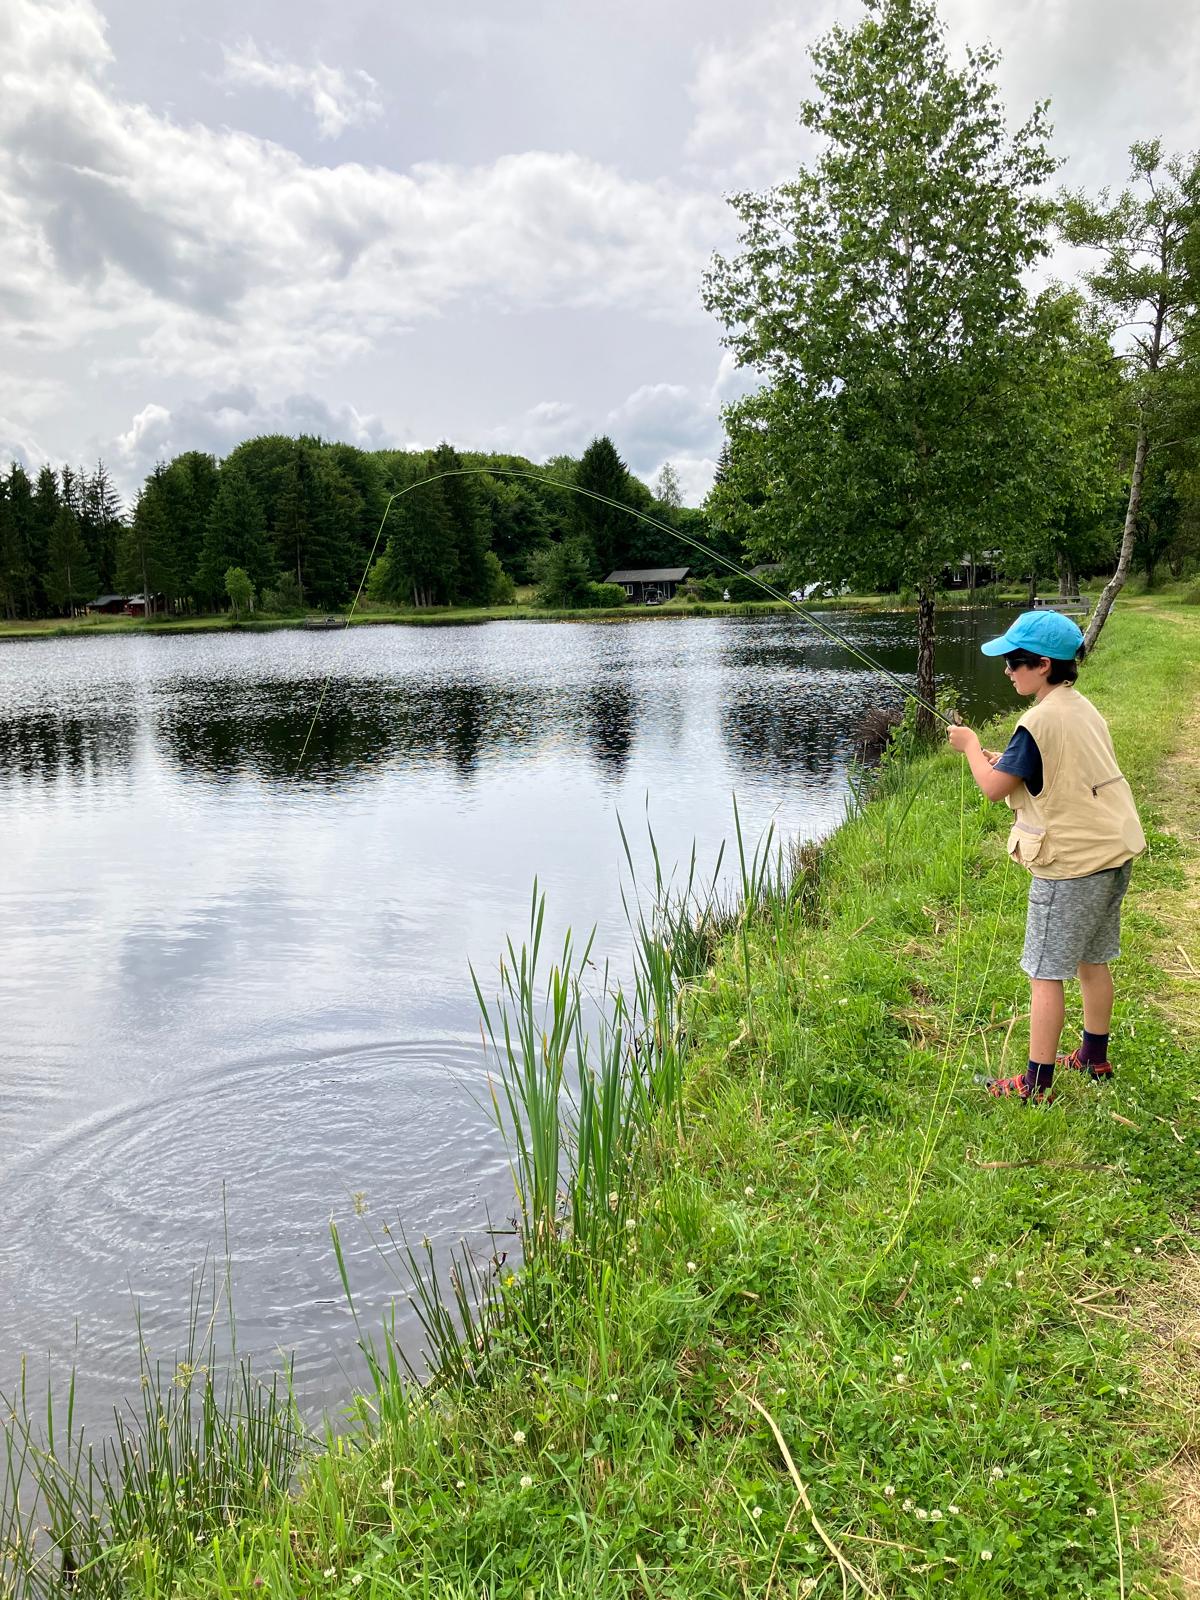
(1043, 633)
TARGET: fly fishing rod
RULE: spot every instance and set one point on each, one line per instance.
(653, 522)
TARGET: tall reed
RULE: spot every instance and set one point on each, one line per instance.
(204, 1442)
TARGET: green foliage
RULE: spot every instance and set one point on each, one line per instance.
(240, 589)
(422, 557)
(235, 535)
(606, 595)
(146, 552)
(907, 377)
(563, 573)
(283, 597)
(70, 576)
(470, 528)
(500, 589)
(605, 529)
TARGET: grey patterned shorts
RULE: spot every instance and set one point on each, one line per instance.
(1072, 920)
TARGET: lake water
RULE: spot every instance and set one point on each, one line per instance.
(231, 990)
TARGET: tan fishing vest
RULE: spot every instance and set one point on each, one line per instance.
(1084, 820)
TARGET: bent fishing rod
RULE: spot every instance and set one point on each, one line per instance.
(653, 522)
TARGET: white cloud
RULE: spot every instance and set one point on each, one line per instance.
(746, 97)
(231, 258)
(337, 100)
(656, 422)
(223, 419)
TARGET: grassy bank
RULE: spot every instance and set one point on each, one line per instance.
(815, 1316)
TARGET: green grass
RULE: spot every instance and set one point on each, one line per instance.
(793, 1198)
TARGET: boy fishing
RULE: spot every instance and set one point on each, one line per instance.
(1075, 828)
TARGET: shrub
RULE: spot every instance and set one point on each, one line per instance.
(1192, 597)
(606, 595)
(501, 590)
(284, 596)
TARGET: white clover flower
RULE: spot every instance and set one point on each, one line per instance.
(958, 1299)
(356, 1579)
(889, 1491)
(935, 1516)
(460, 1484)
(756, 1512)
(1137, 1249)
(612, 1398)
(749, 1190)
(976, 1281)
(527, 1482)
(1020, 1274)
(781, 1391)
(1122, 1390)
(907, 1506)
(953, 1510)
(897, 1361)
(691, 1266)
(922, 1514)
(902, 1378)
(843, 1002)
(965, 1366)
(1091, 1511)
(387, 1485)
(997, 1472)
(330, 1572)
(985, 1555)
(518, 1437)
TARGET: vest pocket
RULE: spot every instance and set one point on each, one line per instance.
(1096, 787)
(1027, 845)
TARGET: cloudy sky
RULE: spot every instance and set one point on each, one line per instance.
(485, 220)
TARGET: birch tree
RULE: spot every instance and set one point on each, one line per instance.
(1143, 285)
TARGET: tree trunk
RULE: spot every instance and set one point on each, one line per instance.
(926, 682)
(1117, 582)
(1033, 578)
(1064, 582)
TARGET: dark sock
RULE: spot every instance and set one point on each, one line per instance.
(1094, 1049)
(1039, 1074)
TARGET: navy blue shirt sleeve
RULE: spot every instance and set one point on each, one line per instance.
(1023, 760)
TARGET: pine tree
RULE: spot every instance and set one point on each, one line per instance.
(100, 524)
(146, 552)
(234, 536)
(189, 487)
(70, 576)
(422, 562)
(470, 526)
(44, 509)
(31, 566)
(12, 565)
(605, 527)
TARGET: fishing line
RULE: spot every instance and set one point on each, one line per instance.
(940, 1107)
(654, 522)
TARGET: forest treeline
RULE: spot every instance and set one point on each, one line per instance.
(299, 516)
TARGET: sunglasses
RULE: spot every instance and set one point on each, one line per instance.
(1022, 658)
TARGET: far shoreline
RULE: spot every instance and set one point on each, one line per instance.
(454, 616)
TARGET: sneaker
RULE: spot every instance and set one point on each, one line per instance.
(1005, 1088)
(1094, 1069)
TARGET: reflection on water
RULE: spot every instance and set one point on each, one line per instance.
(226, 984)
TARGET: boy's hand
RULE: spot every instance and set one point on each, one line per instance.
(962, 739)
